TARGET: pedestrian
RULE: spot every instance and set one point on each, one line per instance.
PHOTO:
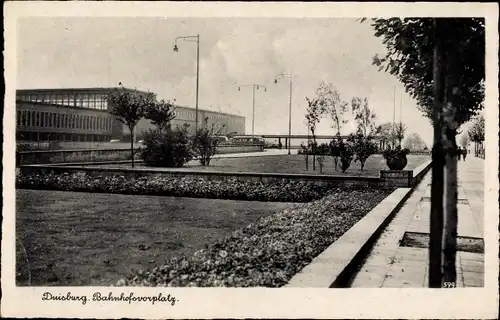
(459, 153)
(464, 153)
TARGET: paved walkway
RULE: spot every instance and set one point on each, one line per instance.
(266, 152)
(391, 265)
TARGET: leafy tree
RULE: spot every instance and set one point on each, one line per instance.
(464, 141)
(315, 109)
(362, 142)
(322, 151)
(346, 153)
(160, 114)
(440, 61)
(205, 143)
(129, 107)
(364, 117)
(335, 107)
(363, 147)
(476, 133)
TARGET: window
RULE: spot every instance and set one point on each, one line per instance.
(42, 119)
(18, 118)
(49, 119)
(37, 119)
(85, 100)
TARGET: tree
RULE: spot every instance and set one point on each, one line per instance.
(205, 143)
(129, 107)
(476, 133)
(160, 114)
(440, 61)
(464, 141)
(362, 141)
(414, 142)
(315, 109)
(336, 108)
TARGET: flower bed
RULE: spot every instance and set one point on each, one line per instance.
(293, 191)
(269, 252)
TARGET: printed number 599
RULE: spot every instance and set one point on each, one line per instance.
(449, 285)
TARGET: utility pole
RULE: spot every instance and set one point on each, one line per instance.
(254, 87)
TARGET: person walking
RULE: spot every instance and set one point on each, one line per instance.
(464, 153)
(459, 153)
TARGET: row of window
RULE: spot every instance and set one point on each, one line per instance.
(192, 115)
(28, 118)
(81, 100)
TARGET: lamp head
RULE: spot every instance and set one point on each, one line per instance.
(265, 89)
(275, 80)
(239, 88)
(175, 48)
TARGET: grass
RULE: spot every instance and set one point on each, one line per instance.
(73, 239)
(293, 164)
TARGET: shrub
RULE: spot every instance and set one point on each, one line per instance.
(205, 143)
(168, 148)
(363, 147)
(396, 152)
(346, 155)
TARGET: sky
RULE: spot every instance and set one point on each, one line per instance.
(77, 52)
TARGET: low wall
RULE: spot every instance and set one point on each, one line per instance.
(404, 178)
(233, 148)
(93, 155)
(387, 178)
(208, 175)
(65, 156)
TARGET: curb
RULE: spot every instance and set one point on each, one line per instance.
(335, 266)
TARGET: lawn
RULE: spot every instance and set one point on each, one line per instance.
(79, 238)
(294, 164)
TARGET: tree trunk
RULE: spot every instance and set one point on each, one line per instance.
(307, 150)
(450, 217)
(436, 215)
(314, 149)
(132, 144)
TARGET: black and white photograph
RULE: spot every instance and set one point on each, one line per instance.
(169, 148)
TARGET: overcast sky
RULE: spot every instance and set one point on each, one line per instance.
(100, 52)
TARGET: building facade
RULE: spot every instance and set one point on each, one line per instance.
(84, 115)
(222, 123)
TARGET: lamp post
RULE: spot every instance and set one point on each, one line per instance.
(290, 78)
(254, 86)
(176, 49)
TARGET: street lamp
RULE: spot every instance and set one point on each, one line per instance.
(176, 49)
(254, 86)
(290, 78)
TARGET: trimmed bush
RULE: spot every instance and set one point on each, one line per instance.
(166, 148)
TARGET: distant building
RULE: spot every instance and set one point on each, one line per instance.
(84, 115)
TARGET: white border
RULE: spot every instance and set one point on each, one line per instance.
(255, 302)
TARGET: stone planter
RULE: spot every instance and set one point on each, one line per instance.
(397, 162)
